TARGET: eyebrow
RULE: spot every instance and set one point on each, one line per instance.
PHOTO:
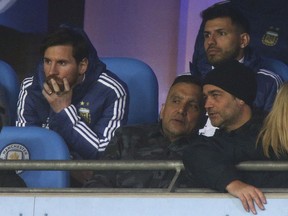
(213, 91)
(192, 99)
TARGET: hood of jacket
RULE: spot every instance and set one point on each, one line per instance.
(95, 68)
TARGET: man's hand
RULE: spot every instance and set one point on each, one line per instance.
(248, 194)
(58, 99)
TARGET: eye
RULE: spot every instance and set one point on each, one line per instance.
(205, 98)
(206, 35)
(47, 61)
(215, 95)
(221, 33)
(62, 63)
(176, 101)
(193, 106)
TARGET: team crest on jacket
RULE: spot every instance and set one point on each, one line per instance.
(85, 114)
(15, 152)
(270, 38)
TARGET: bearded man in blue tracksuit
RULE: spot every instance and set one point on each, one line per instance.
(74, 94)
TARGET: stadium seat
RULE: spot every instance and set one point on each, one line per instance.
(142, 86)
(9, 82)
(35, 143)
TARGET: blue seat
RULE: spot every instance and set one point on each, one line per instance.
(142, 86)
(276, 66)
(10, 83)
(35, 143)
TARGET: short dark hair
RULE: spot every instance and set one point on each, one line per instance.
(66, 36)
(190, 79)
(187, 78)
(219, 10)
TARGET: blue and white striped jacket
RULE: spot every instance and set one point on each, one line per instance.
(99, 106)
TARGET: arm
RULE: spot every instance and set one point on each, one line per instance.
(268, 84)
(211, 163)
(88, 140)
(26, 105)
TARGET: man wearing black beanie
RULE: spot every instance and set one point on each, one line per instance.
(229, 91)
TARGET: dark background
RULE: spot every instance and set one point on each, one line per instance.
(20, 47)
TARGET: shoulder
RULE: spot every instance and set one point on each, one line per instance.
(137, 130)
(27, 82)
(130, 141)
(267, 76)
(112, 82)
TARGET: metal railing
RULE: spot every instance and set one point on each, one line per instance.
(123, 165)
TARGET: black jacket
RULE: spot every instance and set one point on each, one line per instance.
(211, 161)
(141, 142)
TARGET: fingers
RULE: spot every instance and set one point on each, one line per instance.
(259, 199)
(57, 88)
(261, 196)
(66, 85)
(245, 203)
(249, 199)
(47, 89)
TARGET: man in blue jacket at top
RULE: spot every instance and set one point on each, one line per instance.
(73, 94)
(226, 37)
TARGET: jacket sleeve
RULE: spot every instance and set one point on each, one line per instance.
(268, 84)
(26, 105)
(211, 164)
(85, 141)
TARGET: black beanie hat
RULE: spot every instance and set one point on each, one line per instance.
(234, 78)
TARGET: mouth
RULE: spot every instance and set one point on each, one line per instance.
(212, 115)
(213, 51)
(178, 121)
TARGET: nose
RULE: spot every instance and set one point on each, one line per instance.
(208, 103)
(51, 68)
(211, 39)
(182, 109)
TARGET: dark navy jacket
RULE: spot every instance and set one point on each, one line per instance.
(99, 106)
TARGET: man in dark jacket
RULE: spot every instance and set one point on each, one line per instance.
(229, 91)
(180, 119)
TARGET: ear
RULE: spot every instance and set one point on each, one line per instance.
(162, 110)
(83, 65)
(241, 102)
(245, 40)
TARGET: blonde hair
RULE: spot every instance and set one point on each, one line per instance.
(274, 133)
